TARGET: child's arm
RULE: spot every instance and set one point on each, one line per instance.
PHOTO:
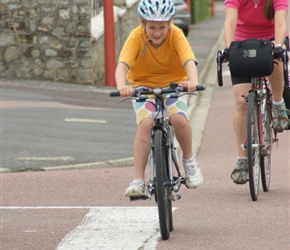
(120, 76)
(191, 70)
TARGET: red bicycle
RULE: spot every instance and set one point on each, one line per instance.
(260, 134)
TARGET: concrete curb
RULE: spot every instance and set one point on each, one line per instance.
(126, 162)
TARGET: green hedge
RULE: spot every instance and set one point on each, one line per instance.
(200, 10)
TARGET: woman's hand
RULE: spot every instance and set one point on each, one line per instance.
(125, 91)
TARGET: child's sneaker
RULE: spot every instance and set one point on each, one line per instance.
(280, 117)
(240, 172)
(136, 188)
(193, 175)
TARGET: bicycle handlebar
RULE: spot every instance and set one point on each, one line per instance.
(220, 59)
(174, 88)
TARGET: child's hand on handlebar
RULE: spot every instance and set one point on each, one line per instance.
(190, 85)
(125, 91)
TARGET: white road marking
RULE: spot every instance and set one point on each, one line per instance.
(85, 120)
(114, 228)
(110, 228)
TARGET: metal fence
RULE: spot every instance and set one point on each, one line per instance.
(97, 6)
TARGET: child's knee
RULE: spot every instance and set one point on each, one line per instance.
(178, 121)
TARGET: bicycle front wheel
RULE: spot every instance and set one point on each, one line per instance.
(268, 135)
(253, 146)
(162, 185)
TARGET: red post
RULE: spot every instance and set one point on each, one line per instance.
(189, 5)
(109, 33)
(212, 7)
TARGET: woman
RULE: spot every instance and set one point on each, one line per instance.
(260, 19)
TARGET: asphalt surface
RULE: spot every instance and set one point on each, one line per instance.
(58, 126)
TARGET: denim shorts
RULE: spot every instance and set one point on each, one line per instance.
(237, 80)
(173, 106)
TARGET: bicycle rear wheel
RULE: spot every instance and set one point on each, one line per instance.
(268, 135)
(162, 185)
(253, 146)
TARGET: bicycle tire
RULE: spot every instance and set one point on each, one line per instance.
(253, 146)
(268, 135)
(162, 184)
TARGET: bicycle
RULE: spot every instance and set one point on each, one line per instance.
(163, 155)
(260, 135)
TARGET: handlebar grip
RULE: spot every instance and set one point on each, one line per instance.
(114, 93)
(219, 68)
(200, 88)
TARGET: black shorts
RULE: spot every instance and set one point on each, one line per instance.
(237, 80)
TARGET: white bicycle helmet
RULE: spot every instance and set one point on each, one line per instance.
(156, 10)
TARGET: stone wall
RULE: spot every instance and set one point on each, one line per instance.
(43, 39)
(52, 40)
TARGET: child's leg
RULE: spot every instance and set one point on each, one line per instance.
(183, 134)
(179, 121)
(142, 147)
(144, 121)
(177, 111)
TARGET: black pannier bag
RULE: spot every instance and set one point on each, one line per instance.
(251, 58)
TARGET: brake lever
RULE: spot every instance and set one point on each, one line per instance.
(137, 99)
(127, 98)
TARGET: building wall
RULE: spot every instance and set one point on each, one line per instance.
(43, 39)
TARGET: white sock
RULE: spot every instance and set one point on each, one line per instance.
(278, 103)
(192, 158)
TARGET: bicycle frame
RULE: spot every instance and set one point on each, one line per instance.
(263, 94)
(161, 122)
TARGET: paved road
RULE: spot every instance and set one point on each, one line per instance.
(86, 208)
(55, 124)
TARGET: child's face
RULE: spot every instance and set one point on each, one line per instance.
(156, 31)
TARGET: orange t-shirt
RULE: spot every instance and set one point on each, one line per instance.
(158, 67)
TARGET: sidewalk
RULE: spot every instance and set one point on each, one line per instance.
(54, 125)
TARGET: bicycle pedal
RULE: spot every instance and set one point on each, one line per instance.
(174, 197)
(136, 198)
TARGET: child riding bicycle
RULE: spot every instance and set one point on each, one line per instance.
(155, 54)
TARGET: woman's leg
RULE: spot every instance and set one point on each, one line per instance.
(277, 82)
(240, 115)
(280, 117)
(240, 173)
